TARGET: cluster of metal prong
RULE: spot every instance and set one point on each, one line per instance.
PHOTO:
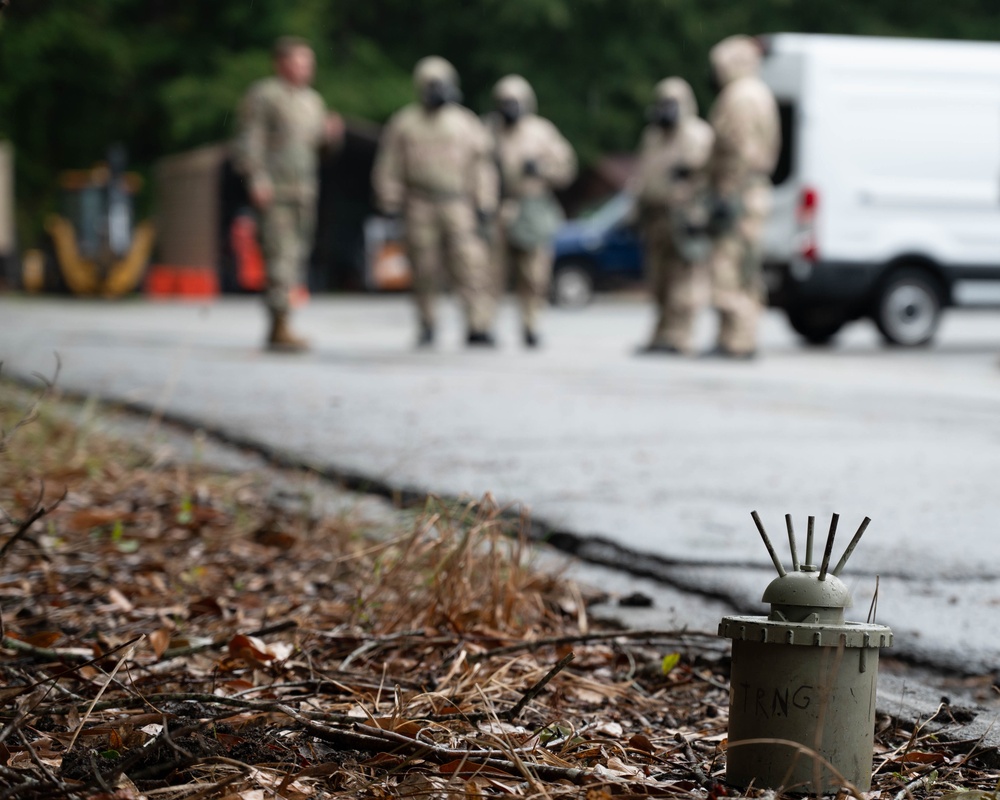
(808, 566)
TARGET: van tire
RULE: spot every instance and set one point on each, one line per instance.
(816, 324)
(572, 285)
(908, 307)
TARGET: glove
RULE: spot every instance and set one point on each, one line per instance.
(531, 168)
(723, 216)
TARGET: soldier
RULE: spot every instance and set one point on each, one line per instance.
(670, 189)
(533, 158)
(283, 126)
(434, 167)
(747, 141)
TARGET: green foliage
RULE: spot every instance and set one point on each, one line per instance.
(669, 661)
(165, 75)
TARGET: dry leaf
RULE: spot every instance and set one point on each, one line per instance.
(275, 537)
(612, 729)
(916, 757)
(617, 767)
(159, 640)
(249, 648)
(86, 519)
(204, 606)
(43, 638)
(402, 727)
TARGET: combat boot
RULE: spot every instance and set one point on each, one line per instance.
(480, 339)
(281, 338)
(425, 338)
(659, 349)
(732, 355)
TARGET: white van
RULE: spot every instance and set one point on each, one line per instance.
(887, 194)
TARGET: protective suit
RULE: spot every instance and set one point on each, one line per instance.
(434, 167)
(533, 159)
(670, 188)
(747, 143)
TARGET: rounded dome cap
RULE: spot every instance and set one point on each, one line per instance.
(804, 589)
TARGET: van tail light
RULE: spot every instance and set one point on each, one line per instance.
(806, 217)
(808, 203)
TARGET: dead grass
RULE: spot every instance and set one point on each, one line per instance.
(172, 632)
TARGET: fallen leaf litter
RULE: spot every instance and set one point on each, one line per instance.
(170, 631)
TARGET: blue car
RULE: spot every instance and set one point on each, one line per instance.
(599, 251)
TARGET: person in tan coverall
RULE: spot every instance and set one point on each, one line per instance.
(670, 191)
(534, 159)
(434, 167)
(747, 142)
(283, 126)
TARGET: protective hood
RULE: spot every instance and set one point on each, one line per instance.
(735, 57)
(680, 90)
(434, 68)
(514, 87)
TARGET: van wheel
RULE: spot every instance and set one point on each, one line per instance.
(908, 307)
(572, 286)
(817, 325)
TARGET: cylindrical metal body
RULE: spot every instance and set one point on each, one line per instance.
(802, 703)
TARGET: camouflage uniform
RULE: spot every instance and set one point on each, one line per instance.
(747, 141)
(434, 167)
(670, 189)
(282, 128)
(534, 159)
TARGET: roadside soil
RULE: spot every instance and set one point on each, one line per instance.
(175, 626)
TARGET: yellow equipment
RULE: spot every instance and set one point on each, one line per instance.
(96, 248)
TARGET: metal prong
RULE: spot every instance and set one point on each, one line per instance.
(829, 546)
(791, 542)
(767, 544)
(809, 540)
(851, 546)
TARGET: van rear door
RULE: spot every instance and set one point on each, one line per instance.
(783, 72)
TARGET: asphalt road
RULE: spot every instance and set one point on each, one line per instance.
(663, 457)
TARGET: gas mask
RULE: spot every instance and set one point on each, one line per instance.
(666, 113)
(435, 94)
(509, 109)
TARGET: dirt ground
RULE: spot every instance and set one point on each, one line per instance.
(173, 630)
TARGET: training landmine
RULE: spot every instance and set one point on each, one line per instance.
(802, 690)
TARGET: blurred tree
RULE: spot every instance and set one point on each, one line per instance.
(164, 75)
